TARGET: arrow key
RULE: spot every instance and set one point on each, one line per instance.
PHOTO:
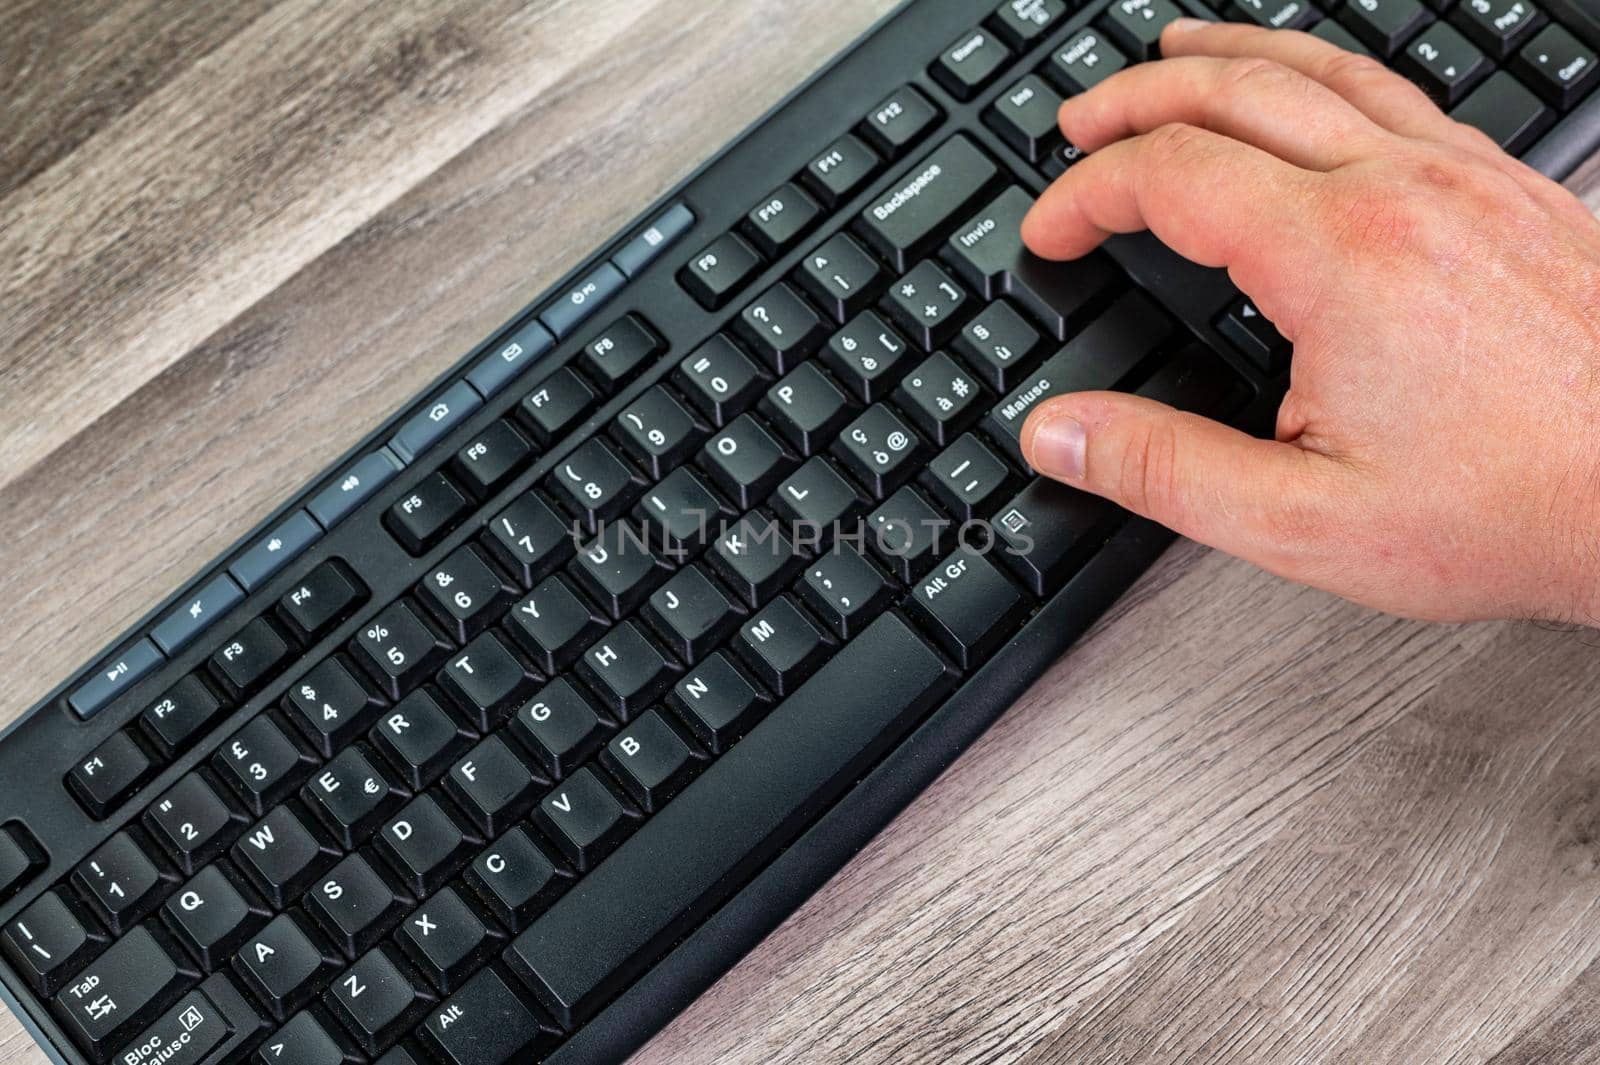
(1256, 337)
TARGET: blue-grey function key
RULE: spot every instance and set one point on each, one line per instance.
(275, 550)
(190, 617)
(433, 421)
(583, 299)
(113, 678)
(353, 486)
(502, 365)
(639, 252)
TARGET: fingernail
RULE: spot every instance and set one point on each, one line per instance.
(1058, 448)
(1180, 26)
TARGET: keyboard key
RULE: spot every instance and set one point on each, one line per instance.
(1444, 63)
(1084, 61)
(326, 596)
(906, 222)
(121, 992)
(1022, 22)
(331, 706)
(967, 606)
(582, 300)
(671, 872)
(1336, 34)
(100, 782)
(506, 361)
(355, 905)
(781, 219)
(486, 681)
(211, 917)
(1275, 14)
(184, 1035)
(424, 845)
(617, 355)
(483, 1024)
(656, 431)
(464, 594)
(435, 421)
(624, 668)
(745, 462)
(557, 404)
(446, 940)
(844, 590)
(650, 760)
(1504, 109)
(1047, 531)
(642, 250)
(558, 727)
(807, 408)
(492, 785)
(194, 615)
(583, 818)
(1136, 25)
(594, 483)
(492, 458)
(998, 344)
(907, 534)
(1194, 380)
(1250, 331)
(397, 649)
(1498, 26)
(781, 645)
(352, 487)
(173, 721)
(515, 878)
(47, 942)
(754, 558)
(191, 823)
(900, 121)
(1557, 66)
(718, 702)
(719, 379)
(303, 1041)
(690, 613)
(351, 797)
(970, 63)
(840, 171)
(941, 397)
(282, 855)
(720, 270)
(968, 479)
(530, 538)
(377, 1001)
(422, 517)
(122, 882)
(114, 677)
(261, 764)
(840, 276)
(926, 305)
(816, 499)
(275, 550)
(879, 450)
(283, 967)
(553, 625)
(419, 739)
(781, 328)
(1025, 117)
(867, 357)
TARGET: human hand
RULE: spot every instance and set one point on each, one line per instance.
(1438, 452)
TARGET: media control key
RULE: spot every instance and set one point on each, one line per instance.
(275, 550)
(113, 678)
(191, 617)
(358, 482)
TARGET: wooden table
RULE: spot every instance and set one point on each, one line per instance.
(1241, 821)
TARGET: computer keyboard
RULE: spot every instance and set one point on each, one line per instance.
(512, 732)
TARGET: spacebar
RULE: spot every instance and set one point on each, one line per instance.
(735, 817)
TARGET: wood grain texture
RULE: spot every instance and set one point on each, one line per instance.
(1239, 822)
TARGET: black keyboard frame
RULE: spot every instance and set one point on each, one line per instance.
(897, 50)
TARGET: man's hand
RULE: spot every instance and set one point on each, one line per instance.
(1438, 453)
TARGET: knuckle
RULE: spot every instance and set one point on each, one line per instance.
(1371, 219)
(1173, 142)
(1347, 69)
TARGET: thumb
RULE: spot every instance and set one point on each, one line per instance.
(1271, 503)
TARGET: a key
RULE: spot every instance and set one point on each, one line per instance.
(720, 270)
(377, 1001)
(553, 625)
(968, 479)
(326, 596)
(966, 605)
(844, 590)
(899, 121)
(616, 356)
(781, 328)
(305, 1040)
(680, 514)
(1136, 25)
(283, 966)
(249, 660)
(1022, 22)
(419, 739)
(355, 905)
(351, 797)
(840, 171)
(558, 727)
(583, 818)
(1047, 531)
(1274, 14)
(625, 669)
(718, 702)
(423, 516)
(484, 1023)
(492, 458)
(908, 534)
(879, 450)
(173, 721)
(1384, 25)
(998, 344)
(867, 357)
(594, 483)
(1504, 109)
(781, 645)
(906, 221)
(530, 538)
(120, 992)
(424, 845)
(656, 431)
(492, 785)
(840, 276)
(555, 405)
(1498, 26)
(754, 558)
(1256, 337)
(1084, 61)
(486, 681)
(212, 916)
(515, 879)
(282, 856)
(331, 706)
(1444, 63)
(806, 408)
(650, 760)
(102, 780)
(617, 569)
(782, 218)
(941, 397)
(745, 461)
(970, 63)
(261, 764)
(1025, 117)
(817, 499)
(690, 613)
(48, 941)
(191, 823)
(1557, 66)
(446, 939)
(398, 649)
(719, 379)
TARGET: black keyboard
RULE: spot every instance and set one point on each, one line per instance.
(511, 733)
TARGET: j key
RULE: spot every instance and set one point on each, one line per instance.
(614, 357)
(326, 596)
(780, 220)
(1105, 353)
(250, 659)
(745, 461)
(331, 706)
(560, 401)
(515, 878)
(47, 941)
(807, 408)
(191, 823)
(998, 344)
(1444, 63)
(670, 871)
(377, 1001)
(492, 785)
(656, 431)
(900, 121)
(781, 645)
(211, 917)
(104, 779)
(584, 819)
(867, 357)
(261, 764)
(1498, 26)
(1136, 25)
(1384, 25)
(617, 569)
(1504, 109)
(719, 379)
(624, 668)
(594, 482)
(1557, 66)
(553, 625)
(690, 613)
(841, 170)
(305, 1040)
(355, 905)
(424, 845)
(1047, 531)
(968, 64)
(419, 739)
(483, 1024)
(966, 605)
(755, 558)
(282, 856)
(844, 590)
(650, 760)
(968, 479)
(174, 720)
(398, 649)
(1022, 22)
(530, 538)
(492, 458)
(423, 516)
(781, 328)
(1084, 61)
(486, 681)
(1274, 14)
(988, 253)
(446, 939)
(1025, 116)
(283, 967)
(680, 513)
(718, 702)
(558, 727)
(817, 498)
(1250, 331)
(905, 222)
(879, 450)
(351, 797)
(908, 534)
(120, 992)
(941, 397)
(840, 276)
(719, 270)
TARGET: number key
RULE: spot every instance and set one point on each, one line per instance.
(464, 593)
(261, 764)
(656, 431)
(398, 649)
(597, 484)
